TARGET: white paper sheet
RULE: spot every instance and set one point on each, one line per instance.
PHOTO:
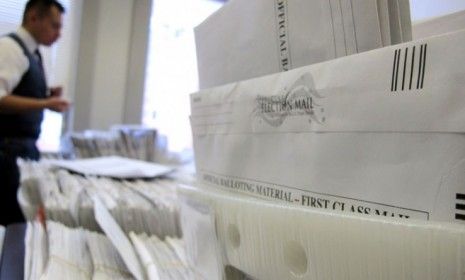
(383, 15)
(405, 20)
(379, 133)
(338, 28)
(367, 25)
(118, 238)
(115, 167)
(349, 27)
(246, 39)
(68, 257)
(395, 22)
(106, 261)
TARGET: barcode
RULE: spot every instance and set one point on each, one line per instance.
(408, 68)
(460, 206)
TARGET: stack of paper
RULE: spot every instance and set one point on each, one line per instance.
(36, 251)
(163, 197)
(269, 240)
(119, 239)
(161, 259)
(29, 197)
(139, 206)
(378, 133)
(127, 141)
(56, 197)
(68, 255)
(64, 253)
(140, 142)
(146, 256)
(132, 211)
(106, 261)
(32, 169)
(246, 39)
(96, 143)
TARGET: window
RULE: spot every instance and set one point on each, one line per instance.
(172, 68)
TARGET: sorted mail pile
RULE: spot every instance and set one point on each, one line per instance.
(140, 206)
(127, 141)
(378, 133)
(106, 262)
(68, 254)
(147, 257)
(246, 39)
(65, 253)
(60, 252)
(139, 220)
(346, 169)
(162, 260)
(90, 144)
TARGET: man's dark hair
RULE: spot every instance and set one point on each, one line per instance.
(42, 6)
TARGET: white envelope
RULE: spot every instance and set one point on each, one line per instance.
(367, 25)
(338, 30)
(349, 26)
(399, 20)
(247, 39)
(383, 15)
(379, 133)
(405, 20)
(114, 167)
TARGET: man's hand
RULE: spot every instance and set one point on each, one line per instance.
(56, 91)
(19, 104)
(56, 104)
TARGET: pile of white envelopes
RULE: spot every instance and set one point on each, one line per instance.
(379, 133)
(246, 39)
(141, 206)
(59, 252)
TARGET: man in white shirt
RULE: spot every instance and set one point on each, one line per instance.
(24, 95)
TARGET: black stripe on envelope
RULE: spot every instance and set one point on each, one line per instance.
(460, 217)
(460, 206)
(408, 68)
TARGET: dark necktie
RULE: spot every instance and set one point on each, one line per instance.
(38, 57)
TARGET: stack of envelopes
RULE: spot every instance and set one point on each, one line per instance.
(246, 39)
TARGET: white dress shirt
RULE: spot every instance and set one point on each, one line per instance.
(13, 62)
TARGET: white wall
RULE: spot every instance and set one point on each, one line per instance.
(111, 62)
(424, 9)
(137, 62)
(111, 66)
(64, 71)
(103, 60)
(82, 108)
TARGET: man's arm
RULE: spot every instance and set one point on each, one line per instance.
(19, 104)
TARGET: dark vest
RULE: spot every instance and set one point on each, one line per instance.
(32, 84)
